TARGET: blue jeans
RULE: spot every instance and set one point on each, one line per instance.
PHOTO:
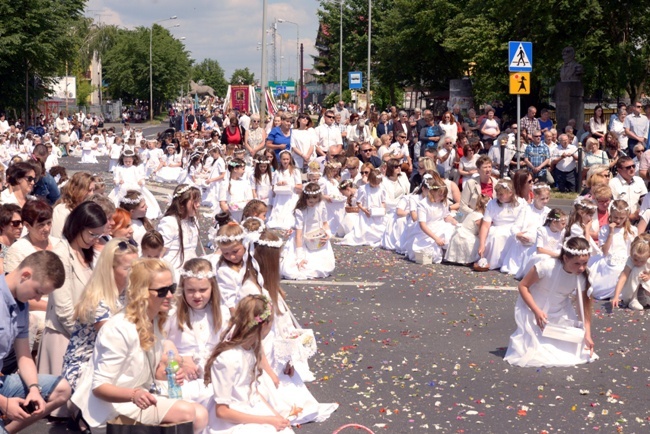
(13, 386)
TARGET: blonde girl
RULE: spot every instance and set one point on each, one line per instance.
(463, 245)
(230, 268)
(236, 191)
(615, 240)
(435, 222)
(303, 259)
(633, 283)
(548, 242)
(371, 200)
(500, 214)
(262, 179)
(179, 227)
(287, 186)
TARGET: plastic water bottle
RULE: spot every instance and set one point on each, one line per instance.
(174, 391)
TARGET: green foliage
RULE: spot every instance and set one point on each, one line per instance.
(242, 76)
(84, 89)
(212, 75)
(32, 44)
(126, 65)
(333, 98)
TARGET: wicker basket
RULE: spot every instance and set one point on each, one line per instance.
(423, 258)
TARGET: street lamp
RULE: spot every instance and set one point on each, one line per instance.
(298, 77)
(151, 63)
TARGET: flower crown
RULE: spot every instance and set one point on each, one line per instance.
(261, 318)
(556, 217)
(283, 151)
(182, 190)
(134, 201)
(576, 252)
(261, 222)
(255, 161)
(199, 275)
(503, 184)
(233, 163)
(128, 153)
(611, 208)
(269, 243)
(541, 186)
(582, 201)
(313, 193)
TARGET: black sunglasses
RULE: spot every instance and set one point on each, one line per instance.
(30, 179)
(329, 117)
(16, 223)
(162, 292)
(123, 245)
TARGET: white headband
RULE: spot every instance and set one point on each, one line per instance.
(199, 275)
(182, 190)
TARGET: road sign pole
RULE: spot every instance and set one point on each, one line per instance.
(517, 145)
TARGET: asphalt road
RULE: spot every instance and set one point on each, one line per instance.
(411, 348)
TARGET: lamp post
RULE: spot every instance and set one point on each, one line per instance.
(151, 64)
(369, 49)
(280, 20)
(263, 83)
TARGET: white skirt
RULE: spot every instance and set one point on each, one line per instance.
(335, 216)
(603, 277)
(463, 247)
(495, 244)
(169, 174)
(408, 235)
(515, 251)
(88, 157)
(282, 213)
(424, 243)
(320, 263)
(366, 232)
(395, 226)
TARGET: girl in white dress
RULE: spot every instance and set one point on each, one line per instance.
(334, 200)
(129, 175)
(582, 222)
(349, 191)
(463, 245)
(192, 174)
(308, 253)
(614, 240)
(229, 266)
(179, 227)
(236, 190)
(548, 242)
(244, 394)
(170, 165)
(214, 180)
(397, 188)
(114, 152)
(287, 186)
(412, 225)
(546, 297)
(261, 180)
(370, 226)
(289, 371)
(531, 217)
(435, 222)
(88, 150)
(500, 214)
(196, 325)
(136, 205)
(634, 281)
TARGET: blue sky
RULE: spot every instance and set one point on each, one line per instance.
(226, 30)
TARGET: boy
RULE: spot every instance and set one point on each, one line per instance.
(26, 397)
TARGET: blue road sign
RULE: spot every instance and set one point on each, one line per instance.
(520, 56)
(355, 78)
(279, 90)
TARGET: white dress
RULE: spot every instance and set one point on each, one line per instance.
(502, 216)
(168, 228)
(151, 159)
(284, 202)
(230, 283)
(530, 219)
(545, 239)
(368, 230)
(127, 178)
(197, 343)
(211, 194)
(604, 270)
(395, 225)
(114, 152)
(263, 189)
(320, 263)
(553, 293)
(232, 375)
(236, 193)
(138, 230)
(463, 245)
(87, 153)
(412, 226)
(302, 140)
(336, 208)
(170, 174)
(433, 214)
(395, 190)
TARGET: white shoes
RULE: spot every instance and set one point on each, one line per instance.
(635, 305)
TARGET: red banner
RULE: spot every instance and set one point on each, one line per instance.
(239, 98)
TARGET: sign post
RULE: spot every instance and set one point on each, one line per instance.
(520, 65)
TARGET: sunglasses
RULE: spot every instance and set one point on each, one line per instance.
(94, 236)
(366, 150)
(537, 137)
(329, 117)
(162, 292)
(628, 167)
(365, 173)
(30, 179)
(16, 223)
(123, 245)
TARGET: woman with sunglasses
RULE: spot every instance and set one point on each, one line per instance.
(255, 136)
(82, 230)
(103, 297)
(128, 365)
(11, 225)
(21, 178)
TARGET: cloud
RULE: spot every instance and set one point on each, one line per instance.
(226, 30)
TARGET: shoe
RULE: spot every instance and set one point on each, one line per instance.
(635, 305)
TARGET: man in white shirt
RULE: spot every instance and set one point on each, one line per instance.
(628, 187)
(63, 126)
(446, 158)
(245, 121)
(328, 134)
(548, 140)
(564, 158)
(4, 125)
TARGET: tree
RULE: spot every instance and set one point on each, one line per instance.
(212, 75)
(242, 76)
(33, 47)
(126, 65)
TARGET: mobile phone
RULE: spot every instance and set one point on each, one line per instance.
(29, 408)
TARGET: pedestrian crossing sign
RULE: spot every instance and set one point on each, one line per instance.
(520, 56)
(520, 83)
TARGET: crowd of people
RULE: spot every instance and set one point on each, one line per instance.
(116, 287)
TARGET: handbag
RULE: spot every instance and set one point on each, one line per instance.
(299, 346)
(569, 331)
(126, 425)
